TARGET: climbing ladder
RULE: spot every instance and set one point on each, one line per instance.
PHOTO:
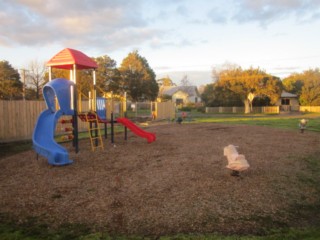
(93, 128)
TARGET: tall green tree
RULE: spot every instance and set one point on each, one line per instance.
(215, 95)
(107, 74)
(250, 83)
(10, 85)
(138, 78)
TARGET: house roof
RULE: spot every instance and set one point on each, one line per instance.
(66, 58)
(190, 90)
(285, 94)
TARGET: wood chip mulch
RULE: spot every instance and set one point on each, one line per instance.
(177, 184)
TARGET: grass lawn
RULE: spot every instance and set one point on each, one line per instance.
(277, 121)
(32, 230)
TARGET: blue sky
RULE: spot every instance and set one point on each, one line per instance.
(177, 37)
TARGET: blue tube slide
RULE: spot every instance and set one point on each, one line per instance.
(43, 135)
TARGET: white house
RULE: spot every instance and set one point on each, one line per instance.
(181, 94)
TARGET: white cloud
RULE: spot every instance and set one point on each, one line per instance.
(79, 22)
(268, 11)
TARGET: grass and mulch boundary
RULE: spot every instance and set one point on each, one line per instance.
(35, 230)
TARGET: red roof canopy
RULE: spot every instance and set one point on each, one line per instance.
(66, 58)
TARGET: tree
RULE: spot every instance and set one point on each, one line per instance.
(293, 84)
(214, 95)
(305, 85)
(185, 81)
(10, 85)
(310, 93)
(250, 83)
(138, 78)
(215, 73)
(166, 82)
(107, 74)
(165, 97)
(35, 76)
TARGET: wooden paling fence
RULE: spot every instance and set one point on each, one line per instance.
(18, 118)
(271, 109)
(165, 110)
(315, 109)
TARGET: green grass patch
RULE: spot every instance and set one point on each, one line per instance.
(31, 231)
(282, 234)
(140, 112)
(305, 209)
(276, 121)
(11, 148)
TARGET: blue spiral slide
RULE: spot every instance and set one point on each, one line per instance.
(43, 135)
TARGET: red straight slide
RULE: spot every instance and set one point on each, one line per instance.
(135, 129)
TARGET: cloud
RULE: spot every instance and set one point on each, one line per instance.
(157, 43)
(218, 14)
(99, 23)
(104, 25)
(265, 12)
(268, 11)
(112, 24)
(182, 10)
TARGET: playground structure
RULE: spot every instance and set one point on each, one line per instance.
(62, 99)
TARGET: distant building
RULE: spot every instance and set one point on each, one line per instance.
(181, 95)
(288, 102)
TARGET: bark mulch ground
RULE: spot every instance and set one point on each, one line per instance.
(177, 184)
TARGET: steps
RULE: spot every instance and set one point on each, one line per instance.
(92, 120)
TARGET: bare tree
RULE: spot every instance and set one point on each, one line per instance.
(185, 81)
(36, 77)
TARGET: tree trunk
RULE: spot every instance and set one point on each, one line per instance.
(37, 92)
(247, 108)
(248, 103)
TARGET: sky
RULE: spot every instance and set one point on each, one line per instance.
(177, 37)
